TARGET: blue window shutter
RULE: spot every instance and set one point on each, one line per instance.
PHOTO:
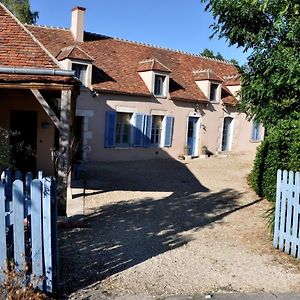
(110, 129)
(147, 131)
(168, 131)
(138, 130)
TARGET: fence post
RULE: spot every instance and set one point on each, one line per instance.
(18, 219)
(3, 251)
(54, 231)
(283, 210)
(36, 234)
(277, 209)
(295, 241)
(47, 234)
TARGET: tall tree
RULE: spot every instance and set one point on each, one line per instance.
(209, 53)
(21, 9)
(270, 29)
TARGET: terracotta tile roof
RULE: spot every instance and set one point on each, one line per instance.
(152, 64)
(206, 75)
(73, 52)
(232, 80)
(116, 63)
(230, 100)
(17, 47)
(20, 49)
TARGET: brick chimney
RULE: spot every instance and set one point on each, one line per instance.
(77, 24)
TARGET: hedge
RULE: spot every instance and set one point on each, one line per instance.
(279, 150)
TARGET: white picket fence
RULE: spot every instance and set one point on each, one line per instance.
(287, 218)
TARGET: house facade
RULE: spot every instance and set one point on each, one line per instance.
(37, 104)
(139, 101)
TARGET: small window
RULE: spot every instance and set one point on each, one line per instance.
(214, 92)
(255, 136)
(80, 72)
(156, 130)
(159, 83)
(123, 129)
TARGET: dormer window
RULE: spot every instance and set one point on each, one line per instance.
(159, 85)
(214, 92)
(80, 72)
(156, 76)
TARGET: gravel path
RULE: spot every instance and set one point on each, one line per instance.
(164, 227)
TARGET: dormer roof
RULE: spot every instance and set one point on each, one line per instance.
(73, 52)
(117, 63)
(207, 74)
(230, 80)
(152, 64)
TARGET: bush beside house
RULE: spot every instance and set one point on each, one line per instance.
(279, 150)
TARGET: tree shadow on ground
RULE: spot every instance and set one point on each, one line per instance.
(123, 234)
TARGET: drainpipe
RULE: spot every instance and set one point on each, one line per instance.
(36, 71)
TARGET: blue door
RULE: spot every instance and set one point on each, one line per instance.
(192, 135)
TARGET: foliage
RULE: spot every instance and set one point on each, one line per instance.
(209, 53)
(21, 9)
(4, 148)
(279, 150)
(271, 30)
(14, 287)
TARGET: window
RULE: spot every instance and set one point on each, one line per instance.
(214, 92)
(156, 130)
(137, 130)
(80, 72)
(159, 85)
(123, 129)
(255, 136)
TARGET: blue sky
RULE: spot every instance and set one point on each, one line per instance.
(176, 24)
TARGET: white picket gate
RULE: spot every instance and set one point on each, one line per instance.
(287, 213)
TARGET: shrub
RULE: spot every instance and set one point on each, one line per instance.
(279, 150)
(15, 286)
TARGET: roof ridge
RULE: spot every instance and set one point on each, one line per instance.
(31, 35)
(155, 59)
(84, 52)
(161, 47)
(47, 26)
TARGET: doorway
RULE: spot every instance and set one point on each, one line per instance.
(192, 135)
(23, 140)
(227, 134)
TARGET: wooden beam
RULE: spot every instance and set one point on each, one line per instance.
(46, 108)
(64, 165)
(39, 86)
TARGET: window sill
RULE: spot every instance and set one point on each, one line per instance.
(160, 96)
(214, 102)
(255, 141)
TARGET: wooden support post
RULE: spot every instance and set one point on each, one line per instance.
(64, 149)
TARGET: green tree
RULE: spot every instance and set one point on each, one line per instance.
(270, 91)
(209, 53)
(21, 9)
(270, 29)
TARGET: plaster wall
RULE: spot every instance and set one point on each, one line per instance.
(210, 134)
(24, 101)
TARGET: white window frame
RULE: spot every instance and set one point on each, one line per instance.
(159, 144)
(85, 82)
(218, 92)
(130, 139)
(165, 84)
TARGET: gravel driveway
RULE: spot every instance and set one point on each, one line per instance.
(163, 227)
